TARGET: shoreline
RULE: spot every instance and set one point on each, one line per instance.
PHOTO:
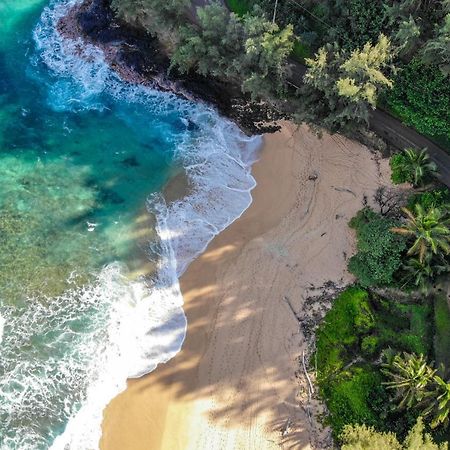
(236, 383)
(139, 58)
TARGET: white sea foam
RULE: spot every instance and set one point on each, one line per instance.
(134, 326)
(2, 328)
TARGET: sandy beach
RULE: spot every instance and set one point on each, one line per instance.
(235, 385)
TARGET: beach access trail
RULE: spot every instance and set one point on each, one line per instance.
(234, 385)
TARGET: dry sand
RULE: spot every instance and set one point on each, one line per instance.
(233, 386)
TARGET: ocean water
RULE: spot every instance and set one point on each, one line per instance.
(83, 161)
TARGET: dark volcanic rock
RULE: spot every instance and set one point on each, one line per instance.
(138, 58)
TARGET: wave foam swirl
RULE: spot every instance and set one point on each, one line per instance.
(100, 335)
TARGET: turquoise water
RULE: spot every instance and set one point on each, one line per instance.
(83, 158)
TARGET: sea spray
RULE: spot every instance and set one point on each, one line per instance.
(77, 350)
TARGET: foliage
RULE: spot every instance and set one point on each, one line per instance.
(353, 23)
(250, 50)
(429, 229)
(379, 249)
(436, 198)
(409, 375)
(437, 403)
(442, 332)
(407, 36)
(363, 437)
(349, 342)
(412, 166)
(421, 98)
(157, 17)
(353, 397)
(339, 88)
(418, 386)
(267, 48)
(350, 316)
(208, 51)
(424, 273)
(437, 50)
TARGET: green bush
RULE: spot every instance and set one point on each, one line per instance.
(398, 173)
(379, 250)
(430, 199)
(355, 398)
(370, 345)
(350, 316)
(442, 331)
(421, 98)
(355, 22)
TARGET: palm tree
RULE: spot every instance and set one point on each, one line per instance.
(437, 403)
(410, 375)
(422, 273)
(430, 230)
(417, 164)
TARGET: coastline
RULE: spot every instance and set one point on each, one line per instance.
(235, 383)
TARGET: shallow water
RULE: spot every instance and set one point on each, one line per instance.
(83, 156)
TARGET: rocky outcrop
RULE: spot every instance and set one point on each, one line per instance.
(138, 57)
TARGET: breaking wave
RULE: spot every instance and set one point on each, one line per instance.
(64, 359)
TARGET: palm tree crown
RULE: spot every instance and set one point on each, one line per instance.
(438, 401)
(418, 165)
(410, 375)
(430, 230)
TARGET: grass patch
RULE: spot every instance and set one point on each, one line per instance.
(442, 331)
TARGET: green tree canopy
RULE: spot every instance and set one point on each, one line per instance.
(437, 50)
(251, 50)
(379, 249)
(362, 437)
(340, 87)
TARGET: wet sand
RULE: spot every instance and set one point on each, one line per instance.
(234, 385)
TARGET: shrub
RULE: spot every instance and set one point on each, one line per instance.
(399, 173)
(413, 166)
(370, 345)
(355, 22)
(442, 333)
(362, 437)
(421, 98)
(350, 316)
(354, 397)
(436, 198)
(379, 250)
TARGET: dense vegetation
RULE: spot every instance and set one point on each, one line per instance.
(350, 342)
(407, 244)
(421, 98)
(361, 437)
(419, 31)
(375, 354)
(380, 250)
(351, 49)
